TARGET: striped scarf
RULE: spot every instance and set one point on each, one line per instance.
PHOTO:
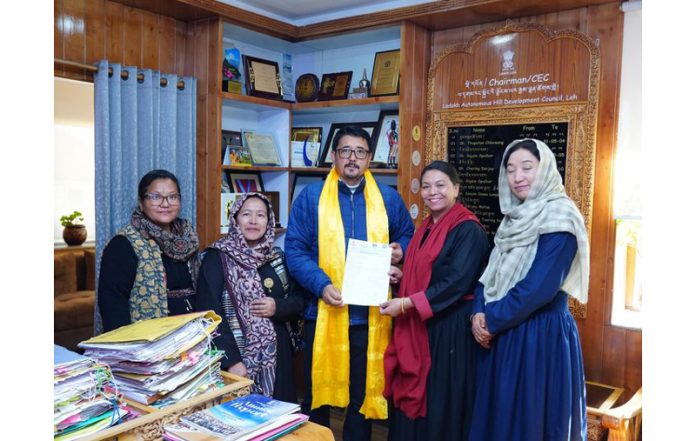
(547, 209)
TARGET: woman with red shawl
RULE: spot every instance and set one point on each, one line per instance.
(430, 363)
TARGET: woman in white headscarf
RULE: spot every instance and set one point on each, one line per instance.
(531, 384)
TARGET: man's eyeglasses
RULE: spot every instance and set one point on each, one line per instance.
(345, 153)
(158, 199)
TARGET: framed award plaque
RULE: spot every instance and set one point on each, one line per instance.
(262, 78)
(306, 88)
(385, 74)
(335, 86)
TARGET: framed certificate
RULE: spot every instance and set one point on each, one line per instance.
(262, 147)
(386, 139)
(325, 160)
(335, 86)
(262, 78)
(385, 74)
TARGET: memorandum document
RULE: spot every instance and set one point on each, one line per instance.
(366, 275)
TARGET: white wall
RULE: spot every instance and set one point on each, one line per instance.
(73, 145)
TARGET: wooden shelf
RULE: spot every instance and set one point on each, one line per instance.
(251, 101)
(377, 102)
(255, 168)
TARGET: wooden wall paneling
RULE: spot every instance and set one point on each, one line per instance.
(114, 32)
(634, 354)
(614, 356)
(86, 31)
(181, 44)
(96, 33)
(150, 42)
(166, 47)
(203, 58)
(58, 51)
(74, 40)
(604, 23)
(415, 61)
(132, 37)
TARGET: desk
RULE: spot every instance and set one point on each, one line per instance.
(309, 431)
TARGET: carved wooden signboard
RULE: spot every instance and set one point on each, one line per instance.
(507, 83)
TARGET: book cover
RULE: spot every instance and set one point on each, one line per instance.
(236, 418)
(253, 409)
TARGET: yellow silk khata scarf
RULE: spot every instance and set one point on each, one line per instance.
(331, 351)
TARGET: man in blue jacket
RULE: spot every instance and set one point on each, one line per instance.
(351, 197)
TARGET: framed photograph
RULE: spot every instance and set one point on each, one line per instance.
(262, 78)
(325, 160)
(300, 181)
(335, 86)
(230, 138)
(262, 147)
(245, 182)
(386, 139)
(385, 73)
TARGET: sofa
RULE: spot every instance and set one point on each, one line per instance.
(73, 295)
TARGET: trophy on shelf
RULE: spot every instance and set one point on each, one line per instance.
(363, 89)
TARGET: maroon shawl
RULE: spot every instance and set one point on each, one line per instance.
(407, 359)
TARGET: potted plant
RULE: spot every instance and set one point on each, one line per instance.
(74, 233)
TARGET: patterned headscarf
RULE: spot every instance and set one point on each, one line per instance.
(243, 283)
(547, 209)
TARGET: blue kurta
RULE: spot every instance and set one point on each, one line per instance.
(531, 383)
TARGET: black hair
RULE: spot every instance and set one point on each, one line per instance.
(356, 131)
(444, 167)
(528, 145)
(153, 175)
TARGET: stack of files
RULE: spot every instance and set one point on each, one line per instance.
(83, 398)
(249, 418)
(161, 361)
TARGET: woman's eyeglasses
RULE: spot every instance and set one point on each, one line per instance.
(158, 199)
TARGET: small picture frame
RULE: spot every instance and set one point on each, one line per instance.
(245, 182)
(325, 159)
(386, 139)
(262, 78)
(385, 73)
(334, 86)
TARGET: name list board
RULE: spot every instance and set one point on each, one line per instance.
(477, 153)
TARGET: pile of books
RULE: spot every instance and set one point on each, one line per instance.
(84, 401)
(248, 418)
(161, 361)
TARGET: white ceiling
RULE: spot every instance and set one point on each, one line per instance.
(304, 12)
